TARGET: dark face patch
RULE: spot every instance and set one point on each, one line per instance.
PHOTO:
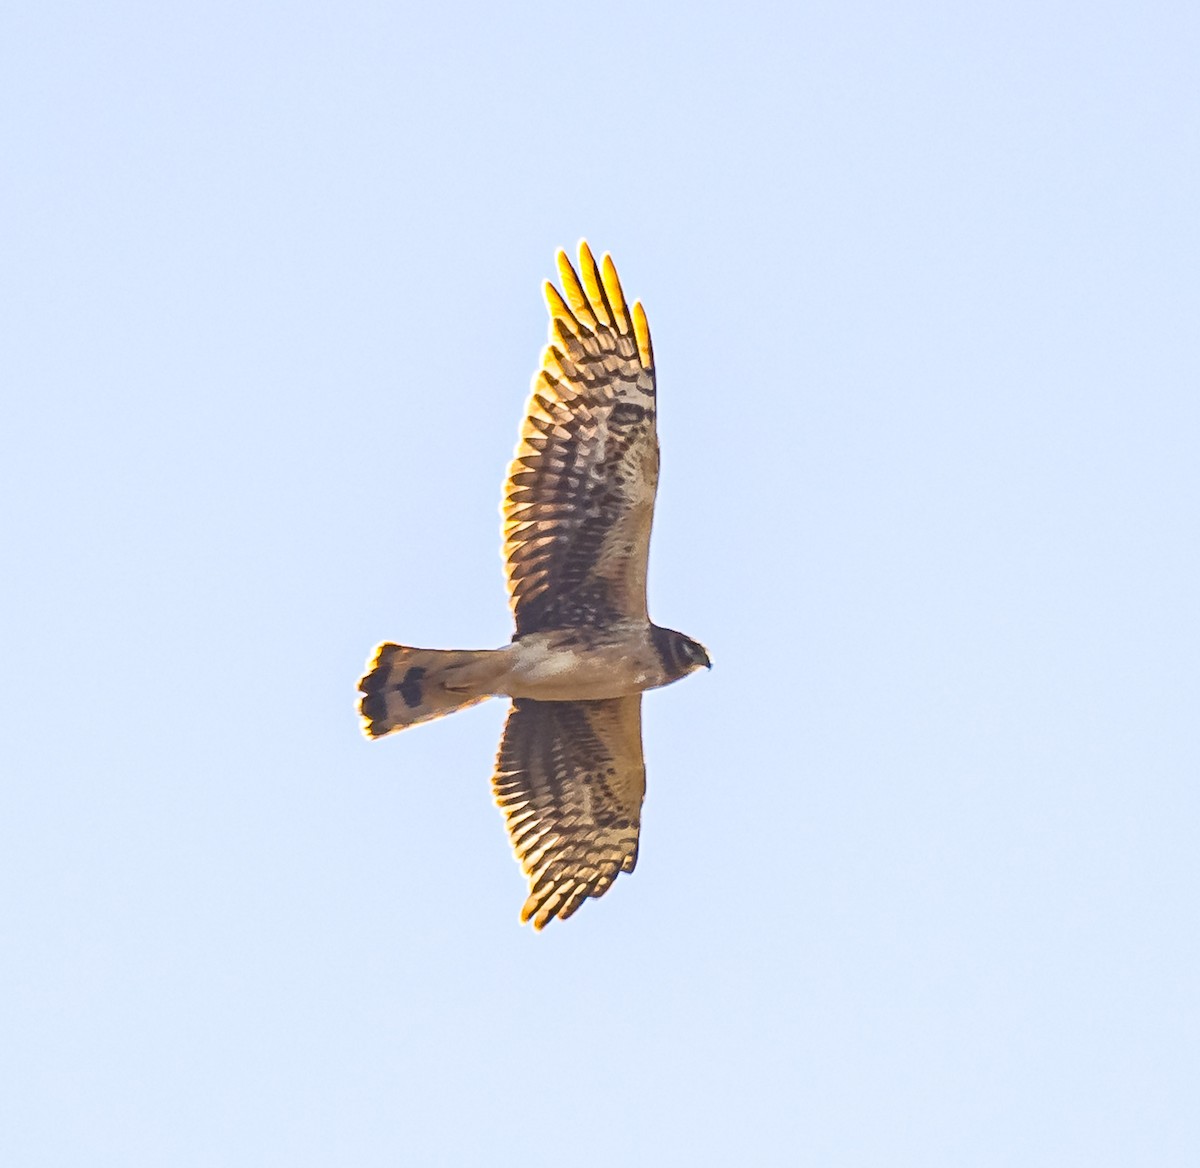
(679, 654)
(410, 688)
(669, 646)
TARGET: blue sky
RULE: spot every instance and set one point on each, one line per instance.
(918, 879)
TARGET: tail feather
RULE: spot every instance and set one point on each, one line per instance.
(404, 686)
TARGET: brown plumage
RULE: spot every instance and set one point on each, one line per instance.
(579, 500)
(578, 507)
(570, 780)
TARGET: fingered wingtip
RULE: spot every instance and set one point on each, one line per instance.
(529, 916)
(595, 298)
(573, 290)
(593, 284)
(641, 332)
(614, 295)
(558, 307)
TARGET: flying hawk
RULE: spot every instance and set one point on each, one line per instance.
(578, 505)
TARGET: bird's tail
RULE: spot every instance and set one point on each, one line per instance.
(404, 686)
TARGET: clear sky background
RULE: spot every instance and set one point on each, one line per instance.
(919, 879)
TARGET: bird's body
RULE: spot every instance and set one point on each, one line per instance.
(578, 507)
(585, 664)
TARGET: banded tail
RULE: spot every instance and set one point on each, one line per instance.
(404, 686)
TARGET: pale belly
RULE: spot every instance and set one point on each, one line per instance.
(547, 669)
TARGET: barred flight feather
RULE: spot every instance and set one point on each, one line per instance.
(570, 779)
(585, 472)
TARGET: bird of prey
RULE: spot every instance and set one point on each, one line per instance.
(578, 504)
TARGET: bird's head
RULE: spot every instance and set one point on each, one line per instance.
(680, 654)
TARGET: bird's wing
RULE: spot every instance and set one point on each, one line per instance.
(579, 499)
(570, 778)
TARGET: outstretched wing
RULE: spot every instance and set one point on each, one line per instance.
(570, 779)
(579, 499)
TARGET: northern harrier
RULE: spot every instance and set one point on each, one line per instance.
(577, 509)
